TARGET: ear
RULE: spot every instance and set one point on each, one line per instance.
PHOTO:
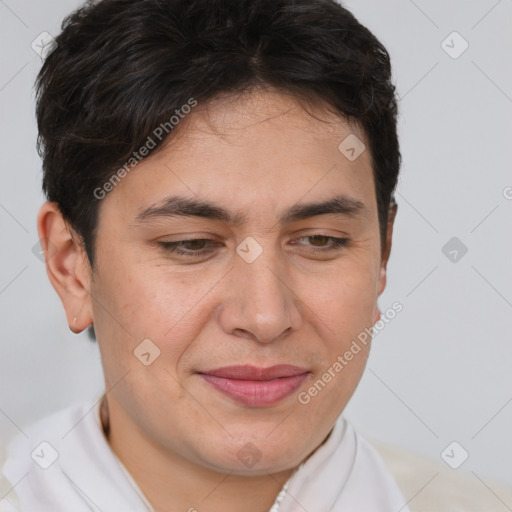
(67, 265)
(386, 251)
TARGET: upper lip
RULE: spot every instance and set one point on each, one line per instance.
(249, 372)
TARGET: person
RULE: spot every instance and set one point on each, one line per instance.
(220, 180)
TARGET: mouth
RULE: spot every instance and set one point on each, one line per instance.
(256, 387)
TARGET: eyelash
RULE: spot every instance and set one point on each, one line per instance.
(174, 247)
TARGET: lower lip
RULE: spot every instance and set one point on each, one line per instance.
(256, 393)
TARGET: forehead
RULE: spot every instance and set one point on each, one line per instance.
(253, 114)
(259, 149)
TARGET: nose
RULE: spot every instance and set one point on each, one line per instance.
(260, 302)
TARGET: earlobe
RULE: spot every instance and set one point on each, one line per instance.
(66, 265)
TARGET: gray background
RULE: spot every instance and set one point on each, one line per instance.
(441, 371)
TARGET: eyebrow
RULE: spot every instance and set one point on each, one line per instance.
(178, 206)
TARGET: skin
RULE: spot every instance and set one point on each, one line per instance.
(258, 154)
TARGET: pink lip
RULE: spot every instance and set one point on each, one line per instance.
(256, 387)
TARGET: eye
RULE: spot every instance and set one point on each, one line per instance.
(196, 247)
(324, 243)
(202, 246)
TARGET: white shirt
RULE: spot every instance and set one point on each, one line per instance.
(67, 465)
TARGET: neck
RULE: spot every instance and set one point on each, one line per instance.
(168, 478)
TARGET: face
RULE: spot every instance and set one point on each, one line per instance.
(261, 281)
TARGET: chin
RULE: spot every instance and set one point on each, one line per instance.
(254, 453)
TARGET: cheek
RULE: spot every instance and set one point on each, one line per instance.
(344, 305)
(345, 300)
(151, 302)
(352, 305)
(346, 314)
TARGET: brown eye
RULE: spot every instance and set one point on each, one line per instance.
(319, 240)
(194, 247)
(325, 243)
